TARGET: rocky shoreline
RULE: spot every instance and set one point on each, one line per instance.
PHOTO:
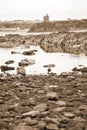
(67, 42)
(44, 102)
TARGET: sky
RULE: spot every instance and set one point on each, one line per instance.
(36, 9)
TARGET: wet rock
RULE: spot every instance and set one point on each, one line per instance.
(6, 68)
(51, 126)
(21, 70)
(9, 62)
(14, 52)
(23, 63)
(83, 107)
(59, 109)
(31, 52)
(31, 114)
(50, 65)
(41, 107)
(41, 125)
(30, 121)
(22, 126)
(49, 70)
(64, 120)
(84, 69)
(65, 74)
(3, 79)
(61, 103)
(4, 126)
(1, 101)
(79, 119)
(26, 62)
(52, 120)
(52, 96)
(69, 115)
(53, 87)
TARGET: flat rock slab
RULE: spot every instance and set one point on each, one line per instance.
(30, 121)
(52, 127)
(41, 107)
(6, 68)
(31, 114)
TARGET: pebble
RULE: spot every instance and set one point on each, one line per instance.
(52, 96)
(30, 121)
(41, 107)
(51, 126)
(69, 115)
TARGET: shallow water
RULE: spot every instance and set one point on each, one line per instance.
(6, 31)
(63, 62)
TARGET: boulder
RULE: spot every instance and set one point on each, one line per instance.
(26, 62)
(31, 52)
(6, 68)
(49, 65)
(21, 70)
(9, 62)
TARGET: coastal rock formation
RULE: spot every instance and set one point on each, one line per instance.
(68, 42)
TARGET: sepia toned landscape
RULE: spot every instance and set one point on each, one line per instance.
(43, 67)
(46, 100)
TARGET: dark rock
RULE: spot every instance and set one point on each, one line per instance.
(6, 68)
(9, 62)
(31, 52)
(14, 52)
(50, 65)
(26, 62)
(4, 125)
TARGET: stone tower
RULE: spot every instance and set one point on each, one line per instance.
(46, 18)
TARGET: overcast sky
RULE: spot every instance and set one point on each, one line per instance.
(35, 9)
